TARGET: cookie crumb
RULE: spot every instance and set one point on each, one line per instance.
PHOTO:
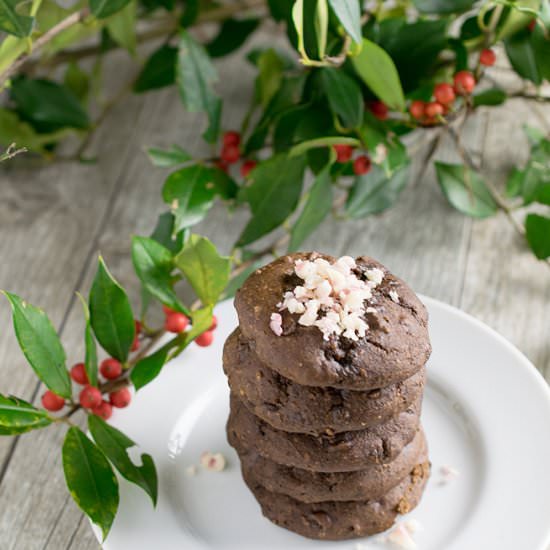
(403, 506)
(214, 462)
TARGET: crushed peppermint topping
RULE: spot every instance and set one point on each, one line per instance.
(215, 462)
(331, 297)
(394, 296)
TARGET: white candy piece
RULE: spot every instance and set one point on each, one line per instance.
(394, 296)
(413, 526)
(214, 462)
(448, 474)
(401, 538)
(276, 323)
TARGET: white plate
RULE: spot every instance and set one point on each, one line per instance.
(486, 414)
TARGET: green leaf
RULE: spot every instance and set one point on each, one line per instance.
(305, 146)
(376, 191)
(270, 67)
(190, 193)
(536, 178)
(122, 27)
(273, 193)
(232, 35)
(90, 479)
(321, 27)
(114, 445)
(378, 71)
(190, 13)
(111, 314)
(159, 70)
(205, 269)
(317, 207)
(344, 96)
(443, 6)
(90, 360)
(12, 22)
(18, 416)
(541, 47)
(522, 56)
(168, 158)
(494, 96)
(148, 368)
(104, 8)
(537, 230)
(514, 183)
(237, 281)
(164, 233)
(46, 105)
(465, 190)
(348, 13)
(153, 264)
(40, 344)
(77, 81)
(195, 77)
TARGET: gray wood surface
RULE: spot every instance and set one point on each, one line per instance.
(54, 220)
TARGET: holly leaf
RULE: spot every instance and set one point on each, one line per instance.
(104, 8)
(273, 192)
(344, 96)
(168, 158)
(205, 269)
(153, 264)
(377, 70)
(190, 193)
(537, 229)
(522, 56)
(90, 356)
(40, 344)
(18, 416)
(376, 191)
(492, 97)
(164, 233)
(148, 368)
(12, 22)
(159, 70)
(90, 479)
(270, 75)
(195, 76)
(465, 190)
(514, 183)
(114, 445)
(317, 207)
(77, 80)
(122, 26)
(46, 105)
(111, 314)
(348, 13)
(232, 35)
(443, 6)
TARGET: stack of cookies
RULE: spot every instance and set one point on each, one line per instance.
(326, 371)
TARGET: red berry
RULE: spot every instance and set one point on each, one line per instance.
(343, 152)
(205, 339)
(52, 402)
(361, 165)
(176, 322)
(417, 109)
(120, 398)
(464, 82)
(220, 165)
(138, 326)
(231, 138)
(135, 343)
(78, 374)
(167, 310)
(487, 57)
(444, 93)
(379, 109)
(230, 154)
(110, 368)
(214, 324)
(90, 397)
(247, 166)
(532, 24)
(434, 109)
(104, 409)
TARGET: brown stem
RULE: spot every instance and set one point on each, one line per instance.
(40, 42)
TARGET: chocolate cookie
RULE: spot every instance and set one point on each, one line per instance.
(292, 407)
(369, 484)
(341, 520)
(343, 452)
(395, 346)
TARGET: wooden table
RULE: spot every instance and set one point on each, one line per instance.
(55, 219)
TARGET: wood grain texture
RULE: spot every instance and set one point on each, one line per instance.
(54, 221)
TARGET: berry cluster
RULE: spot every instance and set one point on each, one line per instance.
(231, 153)
(361, 164)
(176, 322)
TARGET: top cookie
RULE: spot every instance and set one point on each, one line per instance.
(382, 341)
